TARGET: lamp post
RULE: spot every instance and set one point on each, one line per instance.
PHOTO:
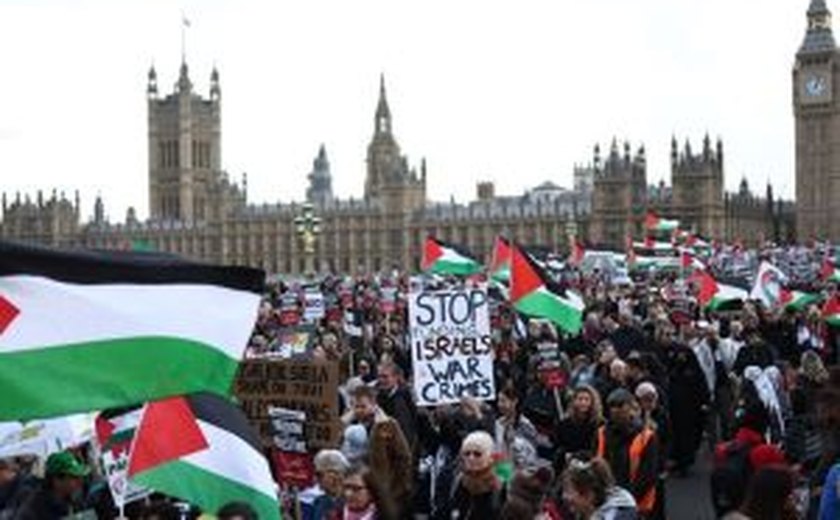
(308, 227)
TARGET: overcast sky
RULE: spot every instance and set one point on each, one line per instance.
(512, 92)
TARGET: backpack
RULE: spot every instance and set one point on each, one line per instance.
(730, 473)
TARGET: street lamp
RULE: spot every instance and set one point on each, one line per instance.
(308, 227)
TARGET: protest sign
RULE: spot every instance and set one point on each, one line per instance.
(289, 310)
(388, 300)
(287, 429)
(549, 365)
(307, 386)
(114, 436)
(451, 346)
(313, 306)
(293, 342)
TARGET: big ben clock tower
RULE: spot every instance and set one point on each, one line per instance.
(816, 104)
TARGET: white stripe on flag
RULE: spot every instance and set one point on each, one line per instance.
(232, 458)
(58, 313)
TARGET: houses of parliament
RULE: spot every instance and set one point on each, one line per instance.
(198, 211)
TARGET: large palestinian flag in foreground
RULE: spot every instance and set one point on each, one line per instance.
(442, 258)
(533, 294)
(201, 449)
(88, 331)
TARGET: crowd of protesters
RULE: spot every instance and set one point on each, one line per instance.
(652, 382)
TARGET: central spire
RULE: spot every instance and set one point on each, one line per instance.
(383, 113)
(819, 37)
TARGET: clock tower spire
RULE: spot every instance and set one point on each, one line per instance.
(817, 129)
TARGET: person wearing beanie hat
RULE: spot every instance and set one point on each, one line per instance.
(355, 444)
(477, 493)
(62, 484)
(631, 448)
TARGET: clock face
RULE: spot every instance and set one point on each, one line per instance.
(815, 86)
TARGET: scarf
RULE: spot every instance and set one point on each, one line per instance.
(367, 514)
(480, 483)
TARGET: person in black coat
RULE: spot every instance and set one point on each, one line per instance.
(396, 401)
(62, 484)
(688, 401)
(577, 431)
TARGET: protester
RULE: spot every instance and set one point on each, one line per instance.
(364, 498)
(61, 491)
(591, 493)
(631, 449)
(577, 431)
(477, 493)
(237, 511)
(330, 469)
(769, 497)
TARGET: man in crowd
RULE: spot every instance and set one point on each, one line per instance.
(631, 449)
(60, 491)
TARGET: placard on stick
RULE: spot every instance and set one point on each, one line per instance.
(451, 346)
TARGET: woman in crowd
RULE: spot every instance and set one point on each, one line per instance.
(364, 498)
(576, 432)
(589, 490)
(769, 496)
(511, 423)
(477, 493)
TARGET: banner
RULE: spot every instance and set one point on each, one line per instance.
(308, 386)
(287, 429)
(451, 346)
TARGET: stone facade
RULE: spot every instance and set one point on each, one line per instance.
(817, 115)
(197, 211)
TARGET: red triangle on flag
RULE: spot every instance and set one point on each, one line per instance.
(501, 254)
(8, 313)
(167, 432)
(651, 220)
(831, 307)
(827, 269)
(707, 286)
(524, 278)
(431, 252)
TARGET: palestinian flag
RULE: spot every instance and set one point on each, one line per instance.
(500, 262)
(533, 294)
(655, 223)
(769, 282)
(798, 300)
(82, 331)
(201, 449)
(578, 252)
(441, 258)
(829, 272)
(831, 311)
(717, 296)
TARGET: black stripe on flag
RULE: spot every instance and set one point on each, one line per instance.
(225, 415)
(110, 267)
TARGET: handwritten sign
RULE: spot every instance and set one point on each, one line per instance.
(310, 387)
(451, 346)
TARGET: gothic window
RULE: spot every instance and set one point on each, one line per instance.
(177, 154)
(383, 124)
(161, 155)
(195, 158)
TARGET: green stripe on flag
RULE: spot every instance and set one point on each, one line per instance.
(465, 268)
(207, 489)
(544, 304)
(96, 375)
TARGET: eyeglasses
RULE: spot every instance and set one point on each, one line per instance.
(472, 453)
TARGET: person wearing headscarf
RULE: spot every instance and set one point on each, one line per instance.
(688, 401)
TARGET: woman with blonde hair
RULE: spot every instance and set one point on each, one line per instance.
(576, 432)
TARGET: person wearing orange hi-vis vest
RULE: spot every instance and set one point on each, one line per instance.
(631, 449)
